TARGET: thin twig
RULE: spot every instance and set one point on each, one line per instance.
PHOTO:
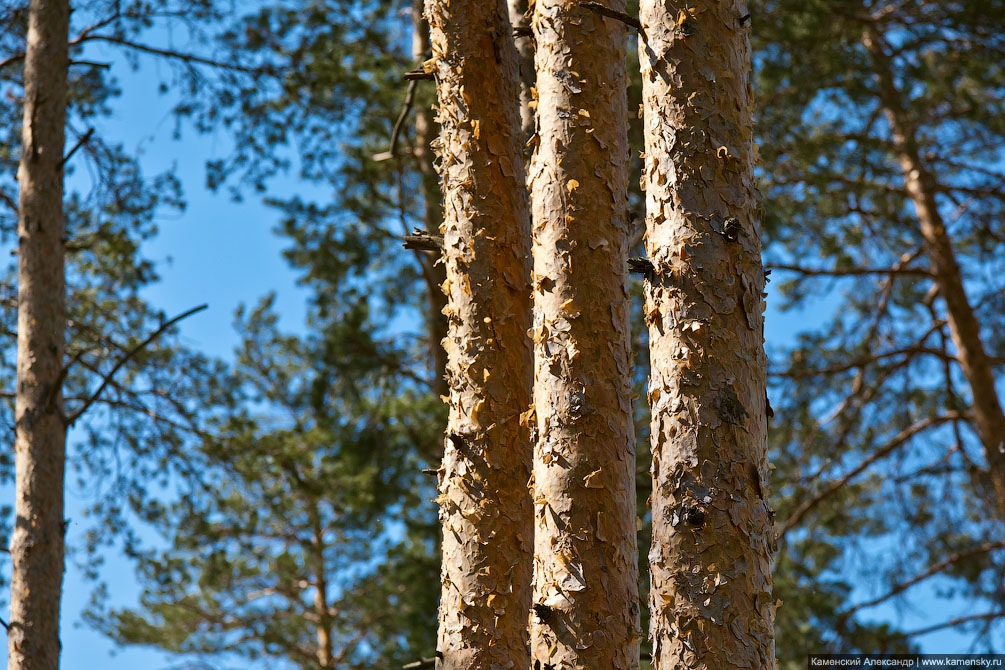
(187, 58)
(128, 355)
(603, 10)
(90, 63)
(849, 272)
(84, 139)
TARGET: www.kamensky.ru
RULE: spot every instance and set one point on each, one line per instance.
(851, 661)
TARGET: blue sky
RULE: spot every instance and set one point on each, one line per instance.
(224, 253)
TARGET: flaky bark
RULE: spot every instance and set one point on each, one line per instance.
(964, 329)
(433, 273)
(585, 572)
(485, 508)
(40, 443)
(519, 17)
(713, 534)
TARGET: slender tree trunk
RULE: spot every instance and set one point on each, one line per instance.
(485, 507)
(519, 17)
(713, 535)
(325, 650)
(963, 326)
(585, 570)
(40, 444)
(433, 272)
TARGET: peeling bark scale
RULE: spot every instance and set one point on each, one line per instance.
(36, 544)
(586, 612)
(713, 533)
(485, 508)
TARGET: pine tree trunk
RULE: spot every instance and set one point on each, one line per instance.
(713, 534)
(585, 572)
(964, 328)
(40, 444)
(325, 649)
(433, 273)
(485, 508)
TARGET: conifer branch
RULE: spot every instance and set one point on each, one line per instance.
(931, 572)
(106, 380)
(880, 453)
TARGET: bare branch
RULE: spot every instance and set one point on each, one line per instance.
(124, 359)
(420, 240)
(9, 201)
(604, 10)
(418, 75)
(849, 272)
(399, 123)
(986, 616)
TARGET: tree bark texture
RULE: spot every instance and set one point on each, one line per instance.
(433, 272)
(586, 611)
(485, 507)
(713, 533)
(40, 443)
(964, 328)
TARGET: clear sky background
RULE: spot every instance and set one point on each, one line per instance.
(224, 253)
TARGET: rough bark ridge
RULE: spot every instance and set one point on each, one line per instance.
(485, 508)
(36, 545)
(713, 534)
(963, 326)
(433, 272)
(585, 573)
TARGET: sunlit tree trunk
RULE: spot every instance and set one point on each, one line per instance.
(713, 534)
(40, 443)
(485, 507)
(585, 572)
(964, 328)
